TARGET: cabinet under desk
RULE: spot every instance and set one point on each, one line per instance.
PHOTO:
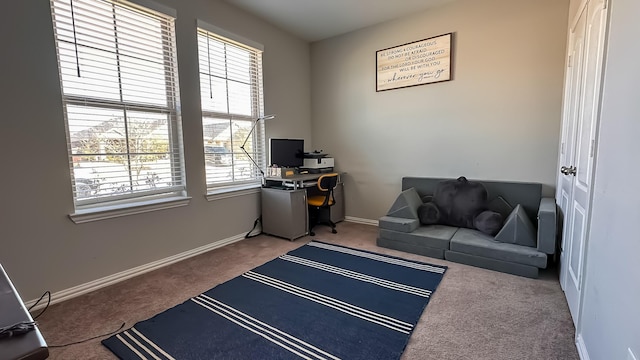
(284, 204)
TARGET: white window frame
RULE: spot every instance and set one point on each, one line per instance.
(256, 144)
(140, 199)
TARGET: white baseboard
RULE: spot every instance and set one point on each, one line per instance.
(582, 348)
(75, 291)
(361, 220)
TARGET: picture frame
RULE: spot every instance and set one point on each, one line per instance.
(416, 63)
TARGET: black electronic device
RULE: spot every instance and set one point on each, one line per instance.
(287, 152)
(316, 154)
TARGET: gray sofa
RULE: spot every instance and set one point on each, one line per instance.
(521, 247)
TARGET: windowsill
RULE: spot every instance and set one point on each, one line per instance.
(112, 211)
(232, 191)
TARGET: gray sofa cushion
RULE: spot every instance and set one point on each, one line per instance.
(398, 224)
(518, 229)
(411, 248)
(526, 194)
(476, 243)
(433, 236)
(406, 204)
(492, 264)
(406, 212)
(501, 206)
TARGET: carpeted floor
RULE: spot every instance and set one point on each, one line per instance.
(475, 314)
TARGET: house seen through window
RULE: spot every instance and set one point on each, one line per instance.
(118, 73)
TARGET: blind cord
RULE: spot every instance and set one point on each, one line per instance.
(75, 38)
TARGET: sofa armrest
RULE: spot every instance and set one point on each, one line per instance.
(547, 222)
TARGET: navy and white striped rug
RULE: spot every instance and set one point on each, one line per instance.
(320, 301)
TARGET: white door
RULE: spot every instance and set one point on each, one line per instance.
(578, 144)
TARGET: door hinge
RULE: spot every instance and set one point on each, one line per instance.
(593, 147)
(562, 148)
(569, 64)
(605, 4)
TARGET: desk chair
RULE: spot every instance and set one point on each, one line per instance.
(320, 202)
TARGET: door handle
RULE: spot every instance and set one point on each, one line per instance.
(571, 170)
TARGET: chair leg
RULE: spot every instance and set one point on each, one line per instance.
(313, 220)
(333, 227)
(317, 216)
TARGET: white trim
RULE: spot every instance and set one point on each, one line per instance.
(229, 35)
(576, 17)
(232, 191)
(139, 207)
(361, 220)
(582, 348)
(82, 289)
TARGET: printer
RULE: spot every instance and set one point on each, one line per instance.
(317, 162)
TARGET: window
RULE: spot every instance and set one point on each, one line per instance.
(118, 72)
(231, 94)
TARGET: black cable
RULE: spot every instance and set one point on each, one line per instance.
(23, 327)
(37, 302)
(255, 223)
(20, 328)
(89, 339)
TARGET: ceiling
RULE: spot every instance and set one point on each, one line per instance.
(314, 20)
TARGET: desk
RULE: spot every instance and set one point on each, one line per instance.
(29, 346)
(297, 180)
(284, 209)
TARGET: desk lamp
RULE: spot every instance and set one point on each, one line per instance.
(255, 122)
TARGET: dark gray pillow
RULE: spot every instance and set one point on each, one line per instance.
(460, 201)
(429, 214)
(488, 222)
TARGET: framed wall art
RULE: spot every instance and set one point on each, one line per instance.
(417, 63)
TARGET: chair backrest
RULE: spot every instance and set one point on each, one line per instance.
(326, 184)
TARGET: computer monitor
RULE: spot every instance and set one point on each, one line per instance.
(287, 152)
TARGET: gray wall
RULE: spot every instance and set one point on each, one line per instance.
(498, 119)
(40, 247)
(610, 321)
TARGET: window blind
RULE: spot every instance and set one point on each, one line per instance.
(232, 99)
(118, 72)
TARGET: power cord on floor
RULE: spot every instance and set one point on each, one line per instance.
(26, 326)
(37, 302)
(89, 339)
(255, 224)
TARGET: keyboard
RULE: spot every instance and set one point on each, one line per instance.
(304, 184)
